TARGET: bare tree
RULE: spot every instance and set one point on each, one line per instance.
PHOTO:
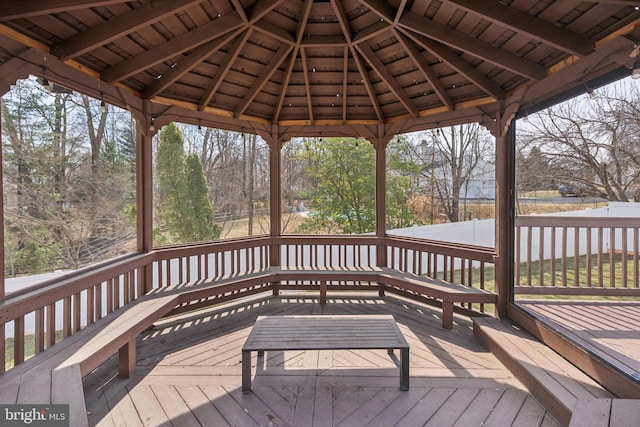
(592, 143)
(451, 159)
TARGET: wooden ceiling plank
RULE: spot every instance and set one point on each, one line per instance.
(216, 80)
(472, 46)
(119, 26)
(172, 48)
(445, 54)
(425, 69)
(265, 75)
(16, 9)
(307, 84)
(521, 22)
(194, 58)
(386, 76)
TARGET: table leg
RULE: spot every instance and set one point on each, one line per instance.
(246, 371)
(404, 369)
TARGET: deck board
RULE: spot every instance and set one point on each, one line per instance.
(189, 371)
(610, 329)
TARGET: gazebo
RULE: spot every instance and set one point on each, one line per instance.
(303, 68)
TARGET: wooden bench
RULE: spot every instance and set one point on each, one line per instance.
(367, 332)
(55, 375)
(557, 384)
(387, 279)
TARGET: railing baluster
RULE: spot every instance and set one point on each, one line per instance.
(576, 256)
(623, 255)
(552, 266)
(38, 340)
(541, 258)
(18, 340)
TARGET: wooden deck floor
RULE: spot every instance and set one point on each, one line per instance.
(189, 373)
(611, 329)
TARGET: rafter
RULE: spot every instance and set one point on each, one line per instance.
(445, 54)
(472, 46)
(523, 22)
(300, 31)
(345, 80)
(194, 58)
(367, 83)
(265, 75)
(172, 48)
(425, 69)
(237, 5)
(216, 80)
(15, 9)
(346, 30)
(386, 76)
(307, 85)
(261, 8)
(119, 26)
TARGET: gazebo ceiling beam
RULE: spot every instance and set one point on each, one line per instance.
(16, 9)
(237, 5)
(274, 31)
(525, 23)
(388, 78)
(367, 83)
(447, 55)
(346, 31)
(472, 46)
(265, 75)
(300, 31)
(425, 69)
(119, 26)
(172, 48)
(214, 84)
(307, 85)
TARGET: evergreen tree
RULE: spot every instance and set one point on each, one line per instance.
(198, 217)
(184, 202)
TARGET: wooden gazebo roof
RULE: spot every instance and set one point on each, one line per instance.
(345, 63)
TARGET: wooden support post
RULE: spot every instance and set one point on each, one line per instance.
(505, 194)
(381, 200)
(127, 359)
(144, 193)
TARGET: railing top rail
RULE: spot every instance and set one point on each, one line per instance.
(479, 253)
(576, 221)
(26, 300)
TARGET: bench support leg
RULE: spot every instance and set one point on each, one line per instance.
(127, 359)
(381, 291)
(447, 314)
(275, 286)
(404, 369)
(323, 292)
(246, 371)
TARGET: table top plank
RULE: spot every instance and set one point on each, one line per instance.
(282, 333)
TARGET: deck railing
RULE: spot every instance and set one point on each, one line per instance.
(42, 315)
(36, 318)
(559, 255)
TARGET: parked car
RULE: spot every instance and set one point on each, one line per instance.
(568, 190)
